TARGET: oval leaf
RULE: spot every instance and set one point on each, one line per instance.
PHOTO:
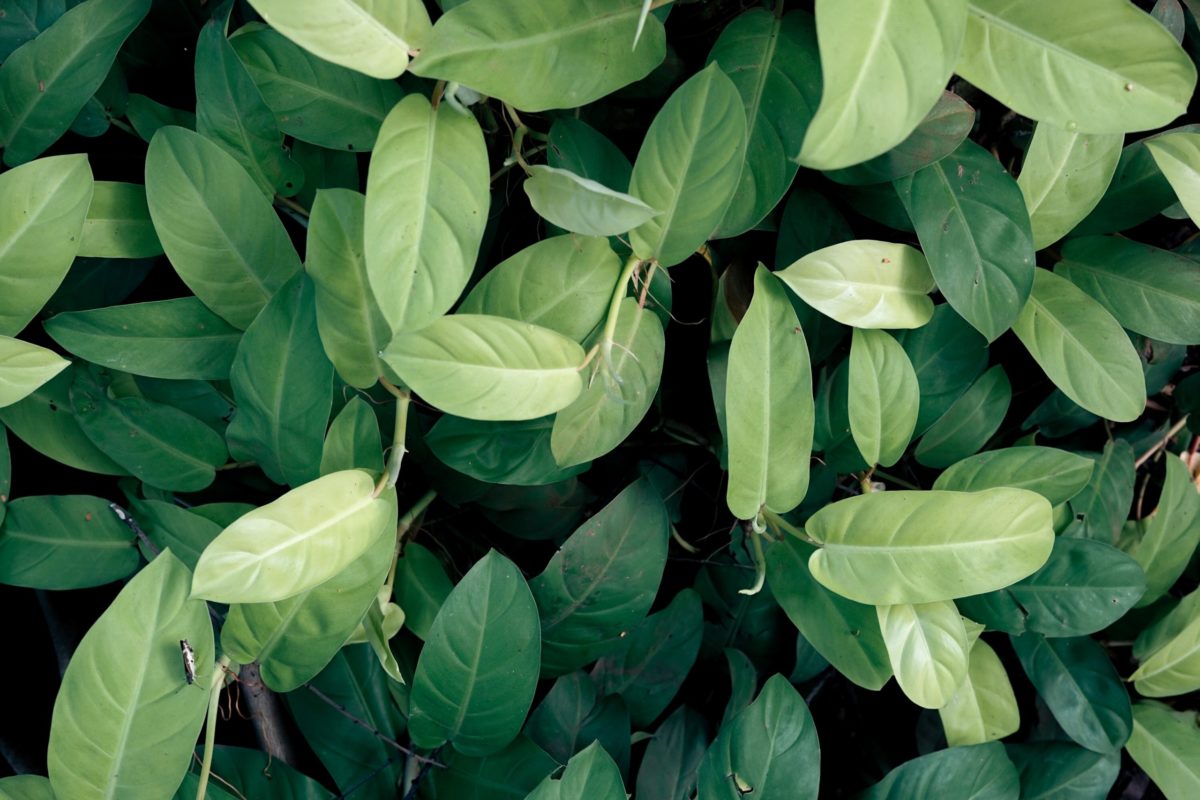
(1063, 177)
(1169, 652)
(1166, 744)
(984, 707)
(1054, 474)
(64, 542)
(582, 205)
(927, 645)
(24, 367)
(884, 397)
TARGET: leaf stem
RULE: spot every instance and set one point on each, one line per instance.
(121, 124)
(787, 527)
(292, 204)
(210, 726)
(614, 309)
(1162, 443)
(402, 528)
(755, 529)
(898, 481)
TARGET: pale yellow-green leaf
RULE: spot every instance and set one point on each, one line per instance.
(1178, 156)
(1064, 176)
(1166, 744)
(24, 367)
(927, 645)
(1169, 652)
(984, 708)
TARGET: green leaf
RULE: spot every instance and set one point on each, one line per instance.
(689, 166)
(581, 51)
(580, 148)
(1103, 505)
(571, 714)
(977, 772)
(295, 543)
(477, 673)
(353, 440)
(1063, 177)
(603, 579)
(125, 719)
(884, 67)
(353, 329)
(26, 20)
(938, 135)
(282, 383)
(769, 749)
(563, 283)
(175, 339)
(672, 757)
(26, 787)
(186, 532)
(1137, 192)
(591, 774)
(894, 547)
(927, 646)
(45, 82)
(64, 542)
(1080, 686)
(1166, 744)
(1150, 291)
(970, 421)
(118, 223)
(147, 116)
(160, 445)
(947, 355)
(507, 775)
(774, 63)
(511, 453)
(1178, 156)
(865, 283)
(582, 205)
(1170, 534)
(254, 773)
(1168, 652)
(884, 397)
(421, 587)
(971, 219)
(1054, 474)
(369, 36)
(43, 206)
(657, 655)
(1082, 349)
(1096, 66)
(24, 367)
(984, 707)
(488, 368)
(219, 232)
(427, 204)
(844, 632)
(768, 402)
(313, 100)
(1063, 771)
(5, 473)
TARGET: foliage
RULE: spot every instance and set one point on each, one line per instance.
(570, 399)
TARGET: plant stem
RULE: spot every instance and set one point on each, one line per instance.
(614, 308)
(402, 527)
(1166, 440)
(124, 126)
(898, 481)
(787, 527)
(210, 727)
(292, 204)
(760, 561)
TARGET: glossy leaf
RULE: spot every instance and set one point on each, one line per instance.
(1063, 771)
(865, 283)
(927, 645)
(581, 205)
(983, 708)
(921, 547)
(1054, 474)
(118, 223)
(1169, 652)
(590, 774)
(571, 715)
(24, 367)
(511, 453)
(884, 397)
(1096, 67)
(689, 166)
(427, 204)
(1166, 744)
(64, 542)
(1170, 534)
(421, 587)
(977, 772)
(295, 543)
(969, 422)
(477, 673)
(1063, 177)
(883, 68)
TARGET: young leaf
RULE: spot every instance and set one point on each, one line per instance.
(370, 36)
(581, 51)
(888, 548)
(591, 775)
(1169, 535)
(295, 543)
(984, 707)
(927, 645)
(768, 402)
(969, 422)
(24, 367)
(427, 204)
(688, 166)
(1166, 744)
(582, 205)
(64, 542)
(1063, 177)
(118, 223)
(1096, 66)
(125, 719)
(883, 69)
(1168, 652)
(977, 772)
(478, 670)
(884, 397)
(865, 283)
(488, 368)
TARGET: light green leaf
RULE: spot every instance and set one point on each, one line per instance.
(118, 223)
(147, 116)
(590, 774)
(1166, 744)
(24, 367)
(1082, 349)
(371, 36)
(174, 339)
(884, 397)
(427, 204)
(970, 421)
(884, 65)
(579, 52)
(353, 440)
(689, 166)
(984, 707)
(894, 547)
(927, 645)
(582, 205)
(352, 328)
(1054, 474)
(1150, 291)
(220, 233)
(977, 772)
(1170, 534)
(768, 405)
(1178, 156)
(602, 580)
(488, 368)
(865, 283)
(510, 453)
(297, 542)
(125, 719)
(1169, 652)
(313, 100)
(48, 80)
(421, 587)
(563, 283)
(1063, 771)
(43, 206)
(26, 787)
(1063, 177)
(478, 670)
(618, 395)
(64, 542)
(1096, 66)
(774, 63)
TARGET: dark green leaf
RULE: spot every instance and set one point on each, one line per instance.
(976, 772)
(64, 542)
